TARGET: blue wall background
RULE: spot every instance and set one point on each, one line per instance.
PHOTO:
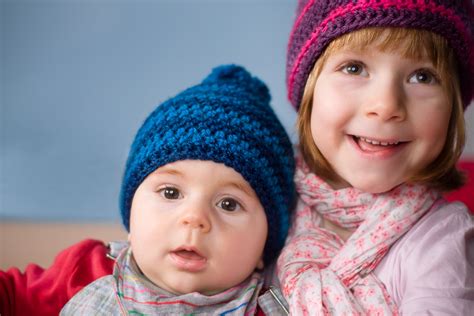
(79, 77)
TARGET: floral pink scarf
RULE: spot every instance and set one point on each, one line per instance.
(321, 274)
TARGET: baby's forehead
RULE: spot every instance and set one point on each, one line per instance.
(220, 173)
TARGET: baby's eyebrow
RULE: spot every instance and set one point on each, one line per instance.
(242, 187)
(165, 170)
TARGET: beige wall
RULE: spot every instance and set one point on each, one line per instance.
(22, 242)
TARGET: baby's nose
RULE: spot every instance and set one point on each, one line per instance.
(196, 219)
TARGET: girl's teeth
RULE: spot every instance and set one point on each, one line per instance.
(377, 143)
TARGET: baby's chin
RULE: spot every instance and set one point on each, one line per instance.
(182, 289)
(180, 284)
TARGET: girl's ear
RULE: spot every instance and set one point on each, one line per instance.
(260, 264)
(128, 237)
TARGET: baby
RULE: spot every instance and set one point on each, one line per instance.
(206, 198)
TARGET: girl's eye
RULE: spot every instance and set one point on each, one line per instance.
(354, 69)
(229, 204)
(170, 193)
(423, 76)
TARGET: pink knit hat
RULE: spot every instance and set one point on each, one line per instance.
(318, 22)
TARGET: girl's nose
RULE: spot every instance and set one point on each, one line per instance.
(387, 103)
(195, 218)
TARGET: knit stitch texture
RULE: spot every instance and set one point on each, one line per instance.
(318, 22)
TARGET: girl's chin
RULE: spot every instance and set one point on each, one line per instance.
(374, 183)
(374, 186)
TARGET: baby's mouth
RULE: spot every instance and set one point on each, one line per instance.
(188, 254)
(188, 259)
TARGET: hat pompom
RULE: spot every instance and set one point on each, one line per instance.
(239, 76)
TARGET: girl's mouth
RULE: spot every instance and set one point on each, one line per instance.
(376, 142)
(376, 146)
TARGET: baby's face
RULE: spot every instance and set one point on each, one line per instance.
(197, 226)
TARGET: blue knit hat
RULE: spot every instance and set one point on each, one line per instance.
(226, 119)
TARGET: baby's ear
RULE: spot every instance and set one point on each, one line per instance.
(260, 264)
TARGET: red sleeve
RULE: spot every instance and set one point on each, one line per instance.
(259, 312)
(40, 291)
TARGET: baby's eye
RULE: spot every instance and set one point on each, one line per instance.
(170, 193)
(423, 76)
(229, 204)
(354, 68)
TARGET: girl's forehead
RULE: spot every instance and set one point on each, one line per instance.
(409, 43)
(371, 49)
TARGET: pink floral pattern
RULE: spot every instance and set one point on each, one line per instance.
(321, 274)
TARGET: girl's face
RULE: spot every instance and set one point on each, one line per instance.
(378, 118)
(197, 226)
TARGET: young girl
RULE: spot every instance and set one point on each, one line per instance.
(381, 87)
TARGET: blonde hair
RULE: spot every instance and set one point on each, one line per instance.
(441, 173)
